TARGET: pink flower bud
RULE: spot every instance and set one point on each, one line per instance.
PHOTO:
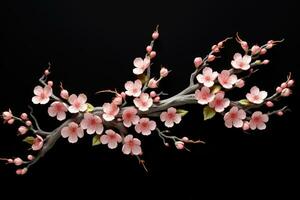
(123, 95)
(286, 92)
(211, 58)
(30, 157)
(269, 104)
(291, 83)
(279, 113)
(156, 99)
(153, 83)
(24, 116)
(240, 83)
(7, 115)
(263, 51)
(255, 49)
(185, 139)
(19, 171)
(155, 35)
(118, 100)
(152, 54)
(50, 83)
(11, 121)
(198, 61)
(164, 72)
(265, 62)
(283, 85)
(149, 49)
(46, 72)
(220, 44)
(278, 89)
(28, 123)
(244, 45)
(153, 94)
(179, 145)
(10, 161)
(64, 94)
(22, 130)
(246, 126)
(18, 161)
(167, 144)
(215, 49)
(24, 171)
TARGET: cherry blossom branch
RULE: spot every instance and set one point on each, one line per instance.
(133, 113)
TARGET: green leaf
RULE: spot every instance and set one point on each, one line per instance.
(182, 112)
(90, 107)
(215, 89)
(244, 102)
(96, 140)
(29, 140)
(143, 78)
(208, 112)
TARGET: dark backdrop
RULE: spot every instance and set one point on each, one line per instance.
(91, 45)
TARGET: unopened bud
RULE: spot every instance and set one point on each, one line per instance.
(211, 58)
(269, 104)
(155, 35)
(198, 61)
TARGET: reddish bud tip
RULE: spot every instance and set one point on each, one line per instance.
(155, 35)
(149, 49)
(46, 72)
(156, 99)
(198, 61)
(179, 145)
(278, 89)
(24, 116)
(50, 83)
(64, 94)
(211, 58)
(269, 104)
(291, 83)
(153, 94)
(283, 85)
(279, 113)
(152, 54)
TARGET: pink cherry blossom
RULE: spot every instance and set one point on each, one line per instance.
(258, 120)
(131, 145)
(256, 96)
(42, 94)
(240, 62)
(58, 109)
(78, 104)
(130, 117)
(204, 96)
(163, 72)
(170, 117)
(111, 138)
(110, 111)
(207, 77)
(133, 89)
(219, 103)
(141, 65)
(145, 126)
(37, 143)
(234, 117)
(72, 132)
(227, 80)
(92, 123)
(144, 102)
(179, 145)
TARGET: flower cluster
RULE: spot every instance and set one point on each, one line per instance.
(139, 108)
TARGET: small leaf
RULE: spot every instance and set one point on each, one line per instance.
(208, 112)
(182, 112)
(90, 107)
(96, 140)
(143, 78)
(29, 140)
(215, 89)
(244, 102)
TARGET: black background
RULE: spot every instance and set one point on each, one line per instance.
(91, 45)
